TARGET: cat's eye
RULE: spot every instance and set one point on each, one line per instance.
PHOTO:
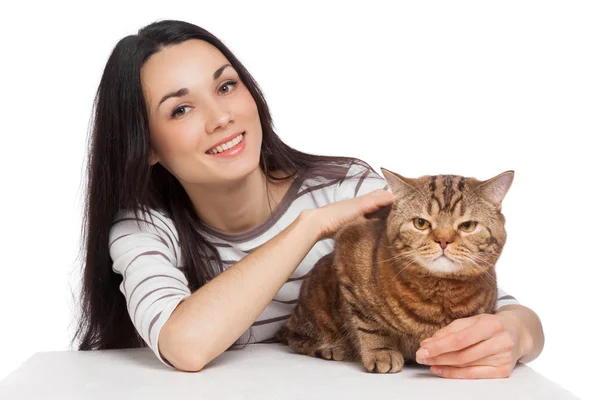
(468, 226)
(421, 223)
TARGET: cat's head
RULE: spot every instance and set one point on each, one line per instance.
(448, 223)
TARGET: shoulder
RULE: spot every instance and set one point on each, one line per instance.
(152, 220)
(331, 181)
(360, 179)
(138, 227)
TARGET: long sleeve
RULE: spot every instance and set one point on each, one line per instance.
(504, 299)
(146, 253)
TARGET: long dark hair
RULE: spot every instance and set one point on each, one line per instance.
(120, 177)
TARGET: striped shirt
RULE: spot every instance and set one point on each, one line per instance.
(146, 253)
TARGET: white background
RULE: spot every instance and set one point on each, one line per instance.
(472, 88)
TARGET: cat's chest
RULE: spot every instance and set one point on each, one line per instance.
(432, 306)
(456, 302)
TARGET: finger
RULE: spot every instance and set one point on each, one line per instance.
(378, 193)
(334, 215)
(376, 199)
(477, 372)
(495, 360)
(478, 354)
(454, 326)
(482, 330)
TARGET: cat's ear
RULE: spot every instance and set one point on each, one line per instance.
(494, 190)
(400, 185)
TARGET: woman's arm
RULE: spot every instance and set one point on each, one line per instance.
(216, 315)
(529, 328)
(205, 324)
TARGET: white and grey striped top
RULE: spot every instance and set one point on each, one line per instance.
(147, 253)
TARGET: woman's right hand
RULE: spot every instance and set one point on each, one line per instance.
(331, 217)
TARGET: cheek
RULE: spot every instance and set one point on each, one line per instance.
(482, 241)
(246, 113)
(411, 237)
(474, 241)
(245, 106)
(178, 137)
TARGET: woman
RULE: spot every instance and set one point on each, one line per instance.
(201, 222)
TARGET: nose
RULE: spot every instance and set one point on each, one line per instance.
(443, 242)
(217, 116)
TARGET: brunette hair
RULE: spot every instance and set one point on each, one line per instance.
(119, 176)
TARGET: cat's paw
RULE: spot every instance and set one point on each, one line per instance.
(383, 361)
(304, 346)
(335, 353)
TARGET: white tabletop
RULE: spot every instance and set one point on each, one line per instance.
(257, 372)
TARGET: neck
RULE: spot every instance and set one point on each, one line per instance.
(237, 206)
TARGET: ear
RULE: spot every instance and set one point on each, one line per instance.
(400, 185)
(494, 190)
(153, 158)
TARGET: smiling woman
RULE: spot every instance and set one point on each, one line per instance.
(186, 178)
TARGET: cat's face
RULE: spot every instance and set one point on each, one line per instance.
(447, 223)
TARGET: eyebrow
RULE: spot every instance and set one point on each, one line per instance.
(184, 91)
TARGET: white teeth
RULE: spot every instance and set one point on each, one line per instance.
(226, 146)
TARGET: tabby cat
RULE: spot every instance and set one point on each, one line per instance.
(394, 280)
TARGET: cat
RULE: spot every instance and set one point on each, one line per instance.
(395, 279)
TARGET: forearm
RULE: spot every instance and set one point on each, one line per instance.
(216, 315)
(529, 328)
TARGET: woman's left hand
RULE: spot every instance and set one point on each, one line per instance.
(482, 346)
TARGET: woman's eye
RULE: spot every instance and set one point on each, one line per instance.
(421, 223)
(229, 83)
(468, 226)
(176, 112)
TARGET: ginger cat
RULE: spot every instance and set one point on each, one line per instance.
(401, 274)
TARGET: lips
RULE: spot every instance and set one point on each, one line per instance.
(224, 140)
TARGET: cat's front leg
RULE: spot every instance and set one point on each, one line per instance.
(378, 357)
(376, 346)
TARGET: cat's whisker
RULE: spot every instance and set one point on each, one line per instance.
(481, 268)
(393, 248)
(398, 256)
(482, 260)
(411, 262)
(477, 259)
(477, 268)
(485, 252)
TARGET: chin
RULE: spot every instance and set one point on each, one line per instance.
(239, 172)
(443, 265)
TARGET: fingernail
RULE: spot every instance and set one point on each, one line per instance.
(436, 370)
(423, 353)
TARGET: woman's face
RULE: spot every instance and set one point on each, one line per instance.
(195, 101)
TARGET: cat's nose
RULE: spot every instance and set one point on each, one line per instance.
(443, 243)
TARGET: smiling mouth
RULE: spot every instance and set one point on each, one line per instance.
(227, 146)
